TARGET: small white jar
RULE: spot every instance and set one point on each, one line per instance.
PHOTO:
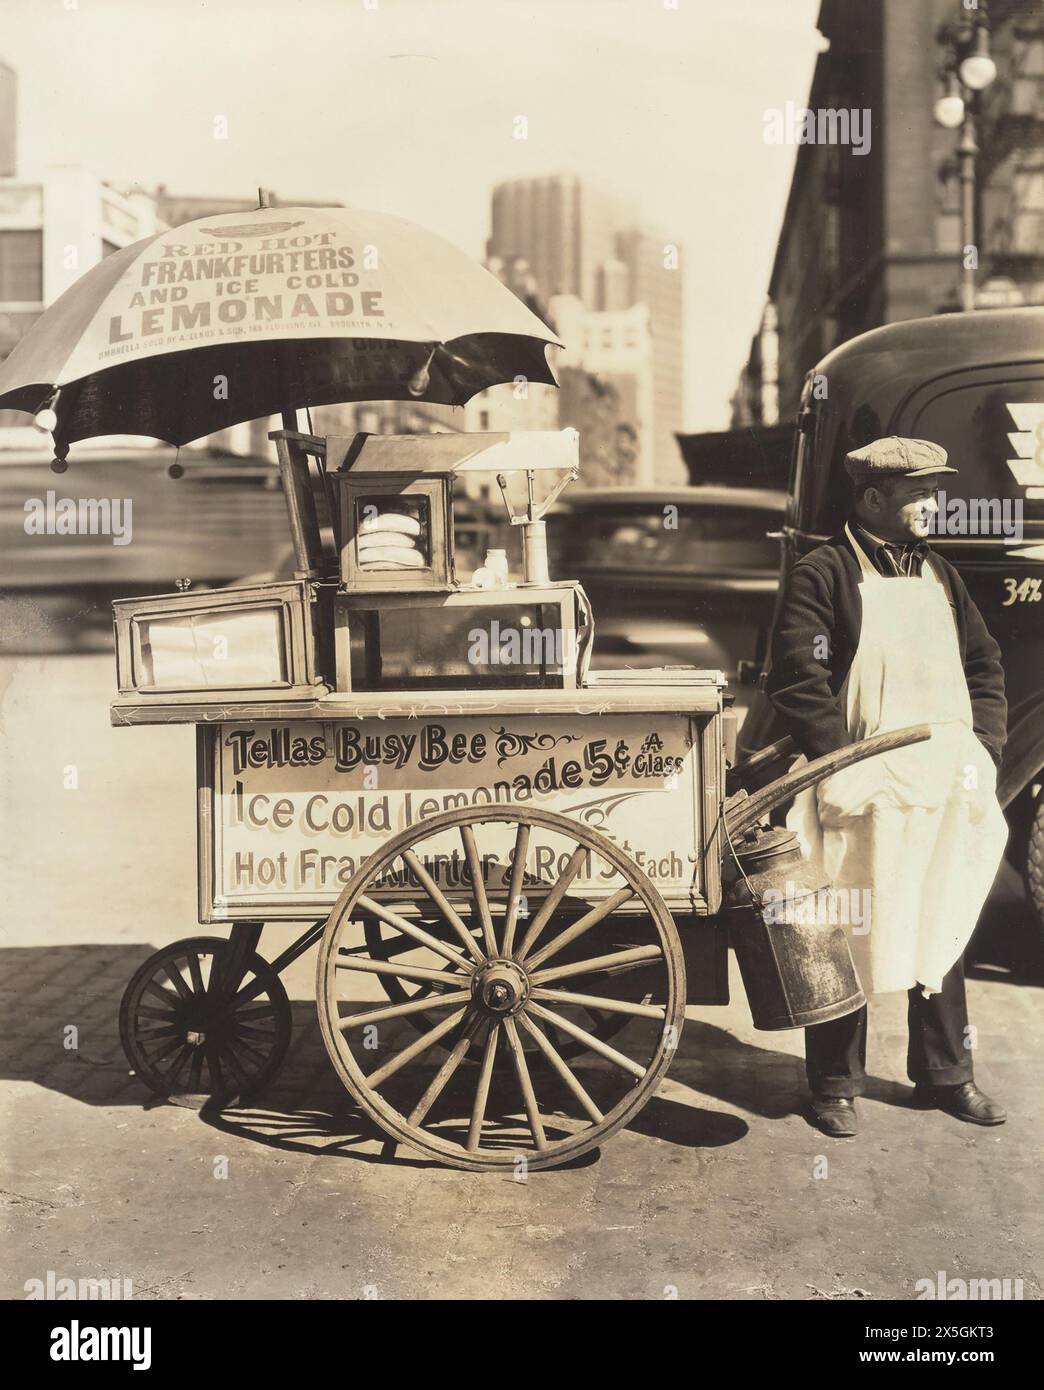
(497, 562)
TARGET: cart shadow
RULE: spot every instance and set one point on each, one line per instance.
(61, 1006)
(60, 1010)
(60, 1031)
(305, 1110)
(711, 1061)
(335, 1132)
(340, 1132)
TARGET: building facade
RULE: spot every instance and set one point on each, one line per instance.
(756, 398)
(873, 238)
(52, 231)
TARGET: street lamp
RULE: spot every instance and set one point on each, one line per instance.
(949, 109)
(977, 68)
(967, 70)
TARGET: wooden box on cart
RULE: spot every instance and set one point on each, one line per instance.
(643, 763)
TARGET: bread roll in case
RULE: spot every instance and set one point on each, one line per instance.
(390, 521)
(377, 539)
(391, 557)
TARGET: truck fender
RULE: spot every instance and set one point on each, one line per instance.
(1023, 753)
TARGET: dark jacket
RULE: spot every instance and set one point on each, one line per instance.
(821, 599)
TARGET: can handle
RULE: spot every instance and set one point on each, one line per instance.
(742, 810)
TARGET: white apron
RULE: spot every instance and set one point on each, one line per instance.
(921, 827)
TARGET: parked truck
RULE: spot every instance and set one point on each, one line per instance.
(973, 383)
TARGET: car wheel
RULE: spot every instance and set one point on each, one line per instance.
(1033, 864)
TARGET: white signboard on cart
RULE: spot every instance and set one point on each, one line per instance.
(290, 809)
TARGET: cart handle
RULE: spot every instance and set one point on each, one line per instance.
(742, 810)
(744, 771)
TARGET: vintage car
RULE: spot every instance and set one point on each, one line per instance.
(975, 384)
(677, 576)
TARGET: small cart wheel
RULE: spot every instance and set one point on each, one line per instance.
(519, 957)
(195, 1026)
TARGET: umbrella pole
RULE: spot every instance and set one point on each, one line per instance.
(296, 502)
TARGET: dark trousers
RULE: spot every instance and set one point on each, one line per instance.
(835, 1052)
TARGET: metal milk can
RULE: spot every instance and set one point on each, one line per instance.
(792, 950)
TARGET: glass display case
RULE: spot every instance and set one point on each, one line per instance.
(260, 639)
(512, 638)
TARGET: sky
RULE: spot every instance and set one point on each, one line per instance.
(410, 107)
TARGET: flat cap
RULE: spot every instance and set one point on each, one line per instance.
(894, 457)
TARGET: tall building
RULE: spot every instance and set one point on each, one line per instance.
(655, 280)
(756, 398)
(581, 242)
(564, 226)
(873, 238)
(613, 286)
(606, 372)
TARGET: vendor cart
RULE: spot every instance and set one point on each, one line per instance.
(514, 869)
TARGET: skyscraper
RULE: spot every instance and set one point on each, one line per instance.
(564, 226)
(580, 239)
(655, 279)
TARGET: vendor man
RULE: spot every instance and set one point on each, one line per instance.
(875, 633)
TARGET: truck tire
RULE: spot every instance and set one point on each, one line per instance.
(1033, 864)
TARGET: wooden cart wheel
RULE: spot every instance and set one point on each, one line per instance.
(196, 1027)
(383, 943)
(504, 985)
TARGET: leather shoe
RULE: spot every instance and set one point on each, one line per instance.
(965, 1102)
(834, 1115)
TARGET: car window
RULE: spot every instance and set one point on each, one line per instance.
(628, 536)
